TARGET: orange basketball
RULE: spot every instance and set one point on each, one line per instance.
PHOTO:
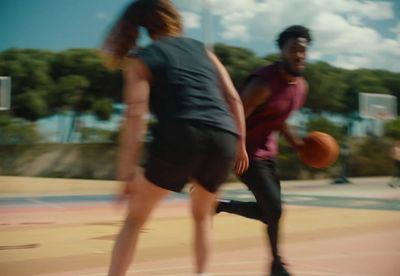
(320, 150)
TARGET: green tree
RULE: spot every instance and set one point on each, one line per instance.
(392, 129)
(18, 131)
(361, 81)
(322, 124)
(102, 108)
(391, 81)
(88, 64)
(31, 105)
(69, 92)
(238, 61)
(30, 75)
(326, 88)
(371, 158)
(271, 58)
(70, 95)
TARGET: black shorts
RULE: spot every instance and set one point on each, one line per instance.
(187, 150)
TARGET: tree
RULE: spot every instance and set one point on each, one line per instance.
(320, 123)
(31, 105)
(69, 95)
(361, 81)
(238, 61)
(88, 64)
(17, 131)
(326, 88)
(102, 108)
(391, 81)
(31, 81)
(392, 129)
(371, 158)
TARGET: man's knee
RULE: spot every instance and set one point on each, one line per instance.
(271, 214)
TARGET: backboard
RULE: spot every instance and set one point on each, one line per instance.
(377, 106)
(5, 93)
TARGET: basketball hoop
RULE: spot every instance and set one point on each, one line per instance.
(381, 116)
(377, 106)
(378, 109)
(5, 93)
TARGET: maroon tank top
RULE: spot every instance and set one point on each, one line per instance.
(263, 125)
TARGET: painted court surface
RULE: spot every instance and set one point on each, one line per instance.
(59, 227)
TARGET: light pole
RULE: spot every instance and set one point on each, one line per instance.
(207, 24)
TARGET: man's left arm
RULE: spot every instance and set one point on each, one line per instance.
(288, 132)
(290, 136)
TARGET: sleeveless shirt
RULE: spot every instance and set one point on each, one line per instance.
(263, 125)
(185, 84)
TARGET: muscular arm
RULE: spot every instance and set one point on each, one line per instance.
(255, 93)
(288, 131)
(230, 94)
(291, 137)
(136, 95)
(236, 108)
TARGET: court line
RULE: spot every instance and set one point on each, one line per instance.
(44, 203)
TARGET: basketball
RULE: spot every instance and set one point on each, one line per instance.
(320, 150)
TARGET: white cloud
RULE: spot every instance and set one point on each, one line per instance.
(235, 27)
(191, 5)
(104, 16)
(191, 20)
(236, 32)
(353, 45)
(396, 31)
(225, 7)
(343, 30)
(376, 10)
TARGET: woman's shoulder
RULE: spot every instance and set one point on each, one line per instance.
(178, 39)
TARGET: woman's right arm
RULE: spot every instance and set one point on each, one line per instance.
(136, 96)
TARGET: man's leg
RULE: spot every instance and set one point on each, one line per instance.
(247, 209)
(262, 180)
(397, 177)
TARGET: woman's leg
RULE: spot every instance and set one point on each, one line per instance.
(203, 203)
(144, 196)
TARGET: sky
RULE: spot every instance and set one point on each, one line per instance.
(348, 34)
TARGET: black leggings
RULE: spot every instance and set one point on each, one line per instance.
(262, 180)
(397, 165)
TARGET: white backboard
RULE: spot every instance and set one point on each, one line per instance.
(377, 106)
(5, 93)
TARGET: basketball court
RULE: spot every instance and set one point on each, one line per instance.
(58, 227)
(65, 227)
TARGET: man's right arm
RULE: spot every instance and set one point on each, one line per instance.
(255, 93)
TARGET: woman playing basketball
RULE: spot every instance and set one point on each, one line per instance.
(199, 133)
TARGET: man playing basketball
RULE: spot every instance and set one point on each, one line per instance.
(270, 95)
(395, 154)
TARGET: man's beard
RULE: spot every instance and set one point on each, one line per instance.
(289, 70)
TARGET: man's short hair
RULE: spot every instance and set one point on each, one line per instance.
(295, 31)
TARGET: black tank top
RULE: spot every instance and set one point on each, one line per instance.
(185, 85)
